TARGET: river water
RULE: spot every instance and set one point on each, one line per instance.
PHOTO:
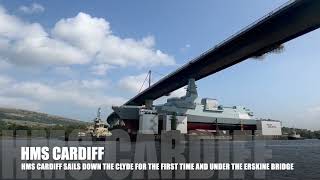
(305, 154)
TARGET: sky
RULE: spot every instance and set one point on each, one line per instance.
(70, 57)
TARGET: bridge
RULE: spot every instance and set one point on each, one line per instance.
(289, 21)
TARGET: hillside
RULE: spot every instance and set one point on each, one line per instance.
(31, 118)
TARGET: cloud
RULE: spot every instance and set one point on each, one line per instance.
(13, 102)
(32, 9)
(94, 36)
(83, 31)
(100, 69)
(93, 84)
(308, 118)
(133, 83)
(82, 39)
(4, 64)
(185, 48)
(34, 45)
(83, 43)
(314, 110)
(81, 93)
(19, 103)
(4, 80)
(63, 70)
(178, 93)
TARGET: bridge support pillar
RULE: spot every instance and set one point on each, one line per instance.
(149, 103)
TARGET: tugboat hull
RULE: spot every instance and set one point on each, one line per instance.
(295, 138)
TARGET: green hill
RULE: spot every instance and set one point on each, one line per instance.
(31, 118)
(17, 119)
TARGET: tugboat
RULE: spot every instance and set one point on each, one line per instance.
(295, 136)
(99, 130)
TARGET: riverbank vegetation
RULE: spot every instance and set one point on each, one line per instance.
(308, 134)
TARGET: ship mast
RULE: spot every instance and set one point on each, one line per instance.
(99, 113)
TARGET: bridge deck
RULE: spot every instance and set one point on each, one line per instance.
(284, 24)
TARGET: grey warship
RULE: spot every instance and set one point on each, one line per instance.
(204, 114)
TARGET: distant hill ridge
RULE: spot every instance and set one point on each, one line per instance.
(29, 118)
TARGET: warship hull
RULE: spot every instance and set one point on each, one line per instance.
(199, 122)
